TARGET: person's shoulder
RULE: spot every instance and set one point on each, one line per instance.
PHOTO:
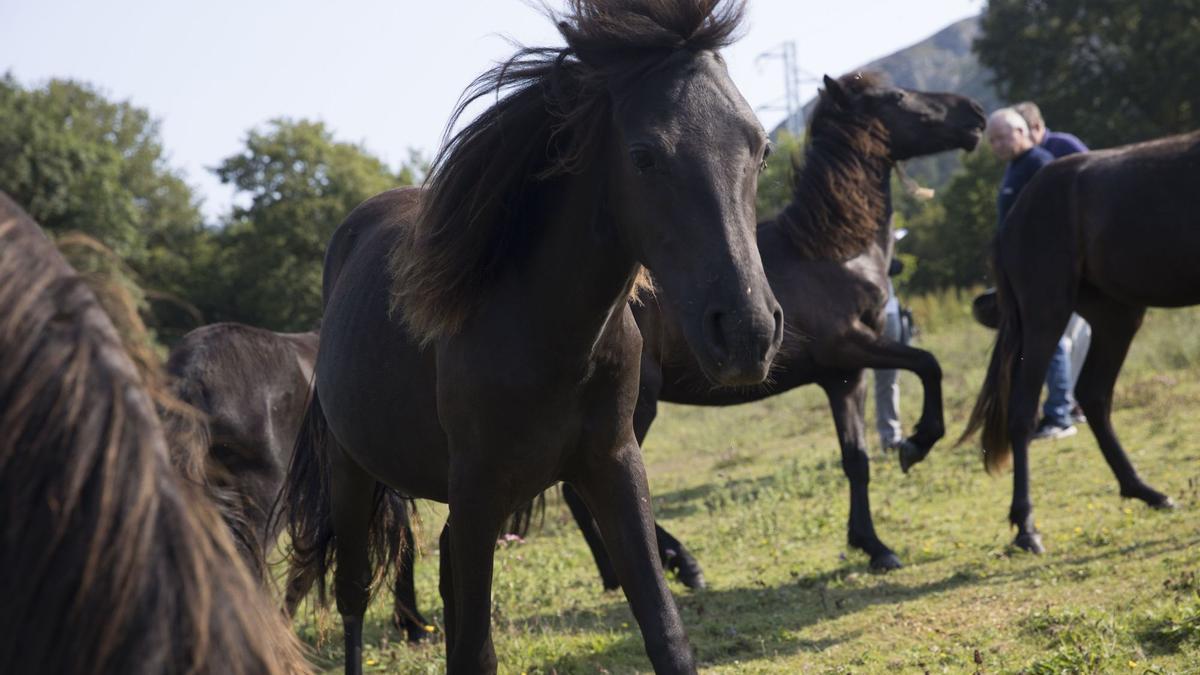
(1061, 143)
(1037, 157)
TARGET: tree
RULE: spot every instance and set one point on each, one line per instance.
(301, 183)
(775, 182)
(1110, 71)
(79, 162)
(950, 236)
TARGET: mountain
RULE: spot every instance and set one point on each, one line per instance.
(941, 62)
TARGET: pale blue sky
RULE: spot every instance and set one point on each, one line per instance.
(385, 74)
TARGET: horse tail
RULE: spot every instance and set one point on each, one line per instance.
(307, 503)
(991, 408)
(521, 520)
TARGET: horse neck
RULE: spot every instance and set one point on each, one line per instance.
(883, 232)
(581, 272)
(872, 177)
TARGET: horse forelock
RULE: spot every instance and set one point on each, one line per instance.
(838, 191)
(550, 120)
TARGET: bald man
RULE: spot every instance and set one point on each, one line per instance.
(1008, 134)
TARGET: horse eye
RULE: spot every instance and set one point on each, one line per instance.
(643, 159)
(762, 166)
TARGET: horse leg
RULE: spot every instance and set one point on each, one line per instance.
(847, 400)
(674, 555)
(446, 586)
(591, 535)
(405, 616)
(865, 350)
(352, 493)
(614, 487)
(1113, 328)
(1029, 373)
(298, 585)
(476, 516)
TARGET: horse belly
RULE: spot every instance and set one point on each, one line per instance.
(1147, 274)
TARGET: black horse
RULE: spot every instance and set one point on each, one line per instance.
(477, 345)
(110, 561)
(1105, 234)
(832, 242)
(251, 386)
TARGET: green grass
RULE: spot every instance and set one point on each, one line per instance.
(757, 492)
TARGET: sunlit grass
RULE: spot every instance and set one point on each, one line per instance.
(757, 492)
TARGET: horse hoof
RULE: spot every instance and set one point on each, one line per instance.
(910, 454)
(688, 573)
(1164, 504)
(885, 562)
(413, 632)
(1030, 541)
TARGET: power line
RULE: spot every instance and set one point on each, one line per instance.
(793, 77)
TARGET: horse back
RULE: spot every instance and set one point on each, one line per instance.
(1133, 214)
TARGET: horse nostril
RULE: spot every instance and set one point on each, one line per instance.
(778, 335)
(714, 334)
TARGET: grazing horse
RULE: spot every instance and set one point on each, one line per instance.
(1105, 234)
(251, 386)
(110, 561)
(477, 345)
(833, 242)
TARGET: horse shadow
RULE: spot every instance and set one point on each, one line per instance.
(754, 620)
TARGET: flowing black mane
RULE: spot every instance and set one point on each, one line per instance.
(551, 122)
(838, 197)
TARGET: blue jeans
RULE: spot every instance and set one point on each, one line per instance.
(1059, 399)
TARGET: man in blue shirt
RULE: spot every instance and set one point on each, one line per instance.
(1008, 134)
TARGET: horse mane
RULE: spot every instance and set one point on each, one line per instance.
(838, 193)
(101, 541)
(550, 120)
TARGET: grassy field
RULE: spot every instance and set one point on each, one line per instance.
(757, 492)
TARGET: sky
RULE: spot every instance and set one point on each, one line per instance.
(385, 74)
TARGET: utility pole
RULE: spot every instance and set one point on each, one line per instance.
(793, 76)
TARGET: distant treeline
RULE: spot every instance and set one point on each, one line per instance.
(78, 161)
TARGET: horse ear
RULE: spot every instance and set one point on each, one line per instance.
(833, 89)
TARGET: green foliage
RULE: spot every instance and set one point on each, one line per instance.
(1110, 71)
(300, 184)
(79, 162)
(775, 182)
(950, 236)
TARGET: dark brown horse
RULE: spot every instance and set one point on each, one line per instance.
(1105, 234)
(476, 343)
(827, 257)
(109, 560)
(251, 386)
